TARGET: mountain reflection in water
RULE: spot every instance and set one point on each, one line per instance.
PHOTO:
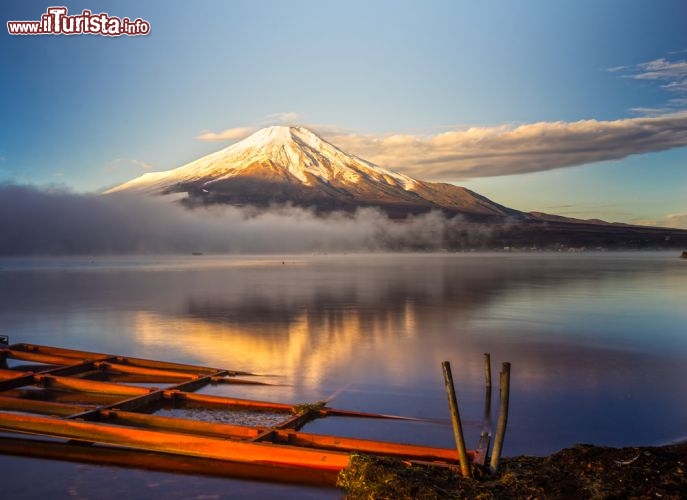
(596, 341)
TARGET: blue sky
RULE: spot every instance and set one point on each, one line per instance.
(91, 111)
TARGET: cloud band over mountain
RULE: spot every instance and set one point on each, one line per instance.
(53, 221)
(508, 150)
(504, 150)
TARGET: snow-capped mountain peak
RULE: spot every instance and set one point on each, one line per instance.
(291, 164)
(298, 151)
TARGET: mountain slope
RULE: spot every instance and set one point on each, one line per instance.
(279, 165)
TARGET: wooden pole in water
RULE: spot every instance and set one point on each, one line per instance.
(455, 420)
(487, 369)
(487, 395)
(504, 391)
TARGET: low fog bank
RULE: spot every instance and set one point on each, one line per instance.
(55, 221)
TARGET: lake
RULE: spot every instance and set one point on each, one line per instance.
(597, 343)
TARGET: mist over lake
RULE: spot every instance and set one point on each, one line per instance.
(596, 342)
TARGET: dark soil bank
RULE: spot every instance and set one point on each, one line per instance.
(582, 472)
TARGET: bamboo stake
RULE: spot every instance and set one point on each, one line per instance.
(487, 396)
(482, 450)
(487, 369)
(504, 391)
(455, 420)
(487, 409)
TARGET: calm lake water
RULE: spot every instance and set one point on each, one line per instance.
(597, 343)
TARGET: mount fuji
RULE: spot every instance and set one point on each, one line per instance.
(292, 165)
(280, 164)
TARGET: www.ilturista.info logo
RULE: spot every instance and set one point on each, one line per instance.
(56, 22)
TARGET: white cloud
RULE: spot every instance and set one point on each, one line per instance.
(670, 75)
(238, 133)
(230, 134)
(286, 117)
(676, 221)
(652, 111)
(661, 69)
(117, 163)
(506, 150)
(141, 164)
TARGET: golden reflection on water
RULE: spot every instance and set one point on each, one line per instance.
(305, 349)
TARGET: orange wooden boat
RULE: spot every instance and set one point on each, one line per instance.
(78, 405)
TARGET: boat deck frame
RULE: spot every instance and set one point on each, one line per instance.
(79, 405)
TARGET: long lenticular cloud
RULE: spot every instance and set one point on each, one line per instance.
(507, 150)
(502, 150)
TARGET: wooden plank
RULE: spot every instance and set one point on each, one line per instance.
(137, 379)
(31, 367)
(57, 351)
(183, 425)
(194, 385)
(91, 386)
(11, 379)
(142, 362)
(287, 436)
(334, 412)
(8, 374)
(368, 446)
(75, 369)
(220, 401)
(43, 407)
(49, 359)
(123, 457)
(166, 365)
(239, 381)
(175, 443)
(70, 397)
(139, 370)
